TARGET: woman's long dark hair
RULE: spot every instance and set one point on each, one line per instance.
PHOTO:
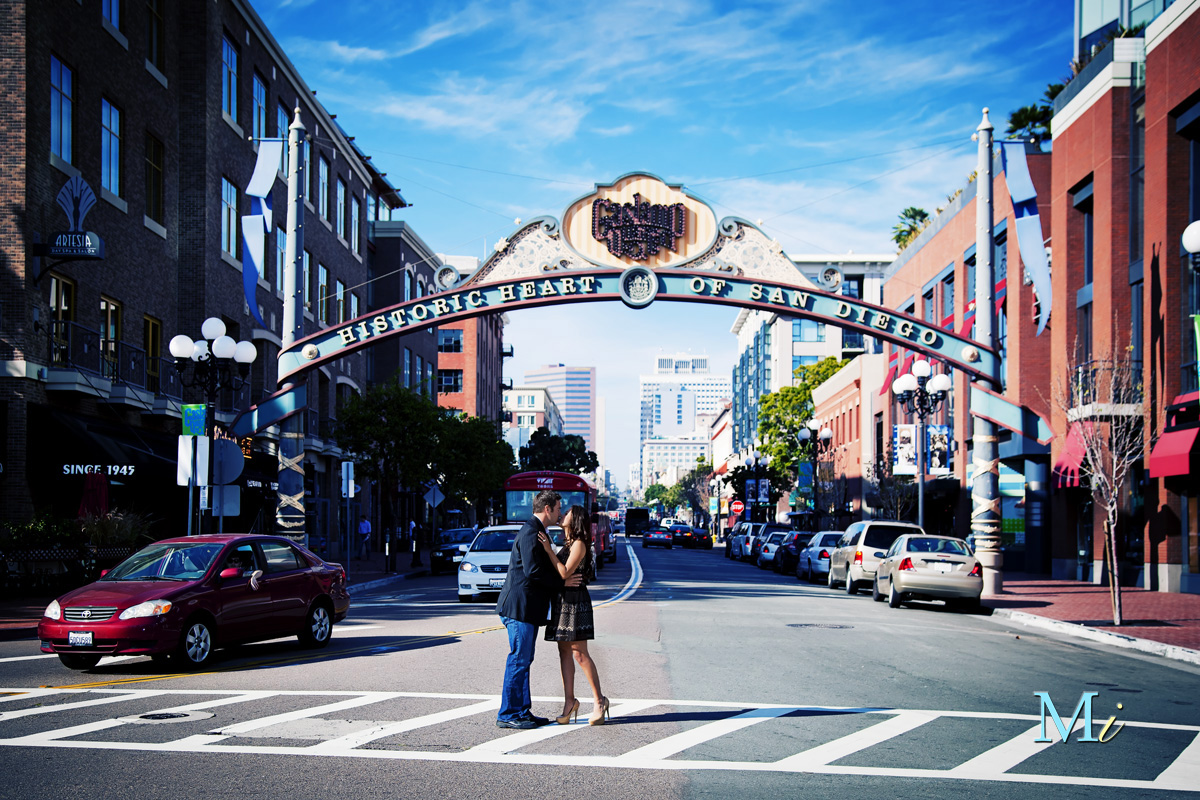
(581, 529)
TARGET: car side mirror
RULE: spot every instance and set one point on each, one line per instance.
(880, 554)
(103, 572)
(230, 572)
(462, 548)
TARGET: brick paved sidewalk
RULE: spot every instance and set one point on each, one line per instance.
(1170, 618)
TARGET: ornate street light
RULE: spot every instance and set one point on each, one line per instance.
(714, 490)
(921, 395)
(212, 364)
(755, 462)
(820, 444)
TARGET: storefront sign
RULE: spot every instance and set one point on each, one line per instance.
(76, 246)
(98, 469)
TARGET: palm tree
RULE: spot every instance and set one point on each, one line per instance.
(912, 221)
(1031, 122)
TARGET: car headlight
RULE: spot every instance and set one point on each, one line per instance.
(150, 608)
(467, 566)
(53, 611)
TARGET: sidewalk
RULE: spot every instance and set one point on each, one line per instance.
(1163, 623)
(19, 616)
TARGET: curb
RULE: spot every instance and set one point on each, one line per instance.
(1171, 651)
(380, 583)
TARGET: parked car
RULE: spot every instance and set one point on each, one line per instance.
(602, 540)
(657, 537)
(181, 599)
(701, 538)
(788, 554)
(853, 562)
(921, 567)
(764, 557)
(813, 561)
(485, 565)
(761, 531)
(739, 542)
(449, 550)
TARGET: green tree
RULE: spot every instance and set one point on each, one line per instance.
(654, 493)
(1031, 122)
(782, 414)
(780, 482)
(472, 460)
(391, 432)
(912, 221)
(569, 453)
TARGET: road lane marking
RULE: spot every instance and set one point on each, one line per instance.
(825, 754)
(363, 699)
(1184, 771)
(673, 745)
(346, 743)
(131, 694)
(515, 741)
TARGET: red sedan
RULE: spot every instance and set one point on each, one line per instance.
(183, 598)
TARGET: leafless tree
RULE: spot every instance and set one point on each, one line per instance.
(889, 496)
(1102, 398)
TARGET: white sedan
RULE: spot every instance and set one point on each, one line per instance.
(814, 559)
(485, 565)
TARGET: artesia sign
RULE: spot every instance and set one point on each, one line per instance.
(639, 219)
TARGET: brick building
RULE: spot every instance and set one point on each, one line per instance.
(471, 357)
(156, 108)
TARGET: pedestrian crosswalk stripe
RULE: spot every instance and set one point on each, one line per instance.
(994, 765)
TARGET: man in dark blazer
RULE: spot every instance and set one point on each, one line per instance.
(524, 604)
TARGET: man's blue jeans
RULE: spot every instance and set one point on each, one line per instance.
(514, 697)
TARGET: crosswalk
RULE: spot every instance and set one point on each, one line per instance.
(644, 733)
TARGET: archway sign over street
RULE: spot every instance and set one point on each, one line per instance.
(637, 241)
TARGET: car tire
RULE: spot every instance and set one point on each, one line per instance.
(894, 598)
(851, 584)
(829, 581)
(79, 661)
(197, 642)
(876, 595)
(318, 626)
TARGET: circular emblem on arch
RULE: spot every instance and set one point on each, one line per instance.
(447, 276)
(639, 287)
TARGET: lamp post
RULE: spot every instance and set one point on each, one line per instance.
(211, 364)
(714, 490)
(921, 395)
(820, 441)
(1191, 243)
(754, 462)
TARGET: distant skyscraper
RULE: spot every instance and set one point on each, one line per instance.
(680, 388)
(574, 392)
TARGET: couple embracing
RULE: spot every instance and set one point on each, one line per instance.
(542, 581)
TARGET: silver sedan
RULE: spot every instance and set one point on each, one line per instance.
(813, 563)
(922, 567)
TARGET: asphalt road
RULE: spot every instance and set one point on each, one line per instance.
(725, 681)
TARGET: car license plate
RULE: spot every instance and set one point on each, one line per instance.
(79, 638)
(458, 558)
(497, 583)
(940, 566)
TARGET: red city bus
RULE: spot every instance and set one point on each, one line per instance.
(520, 489)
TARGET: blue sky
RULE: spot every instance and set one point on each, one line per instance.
(823, 119)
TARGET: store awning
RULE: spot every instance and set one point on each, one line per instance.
(1070, 460)
(1176, 453)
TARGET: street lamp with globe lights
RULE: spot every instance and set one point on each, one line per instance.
(714, 490)
(754, 462)
(820, 438)
(1191, 243)
(921, 395)
(212, 364)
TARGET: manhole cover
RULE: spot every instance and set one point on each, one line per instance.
(824, 625)
(166, 717)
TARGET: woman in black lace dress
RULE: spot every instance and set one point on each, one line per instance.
(571, 614)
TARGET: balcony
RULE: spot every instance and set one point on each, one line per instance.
(75, 361)
(506, 351)
(1100, 390)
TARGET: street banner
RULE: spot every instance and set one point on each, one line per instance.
(904, 449)
(751, 490)
(712, 505)
(937, 449)
(193, 419)
(764, 490)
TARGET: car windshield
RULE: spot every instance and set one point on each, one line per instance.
(937, 546)
(880, 537)
(456, 536)
(493, 542)
(166, 562)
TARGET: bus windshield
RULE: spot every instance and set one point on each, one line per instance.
(520, 503)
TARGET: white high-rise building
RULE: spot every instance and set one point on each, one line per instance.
(680, 388)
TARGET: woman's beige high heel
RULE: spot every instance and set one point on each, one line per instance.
(600, 714)
(566, 718)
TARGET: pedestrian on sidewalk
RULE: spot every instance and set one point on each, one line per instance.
(524, 605)
(364, 537)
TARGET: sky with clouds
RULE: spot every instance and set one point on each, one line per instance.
(823, 119)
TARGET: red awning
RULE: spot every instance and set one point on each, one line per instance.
(721, 469)
(1175, 453)
(1066, 469)
(887, 381)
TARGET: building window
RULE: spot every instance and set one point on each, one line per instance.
(802, 361)
(258, 109)
(154, 179)
(154, 35)
(428, 387)
(280, 257)
(1089, 234)
(948, 302)
(282, 123)
(62, 313)
(229, 68)
(354, 212)
(353, 306)
(229, 217)
(341, 301)
(450, 340)
(807, 330)
(323, 188)
(61, 79)
(406, 366)
(340, 209)
(322, 294)
(306, 184)
(927, 305)
(1083, 335)
(110, 147)
(111, 11)
(152, 342)
(418, 371)
(110, 334)
(370, 206)
(1137, 180)
(450, 381)
(307, 270)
